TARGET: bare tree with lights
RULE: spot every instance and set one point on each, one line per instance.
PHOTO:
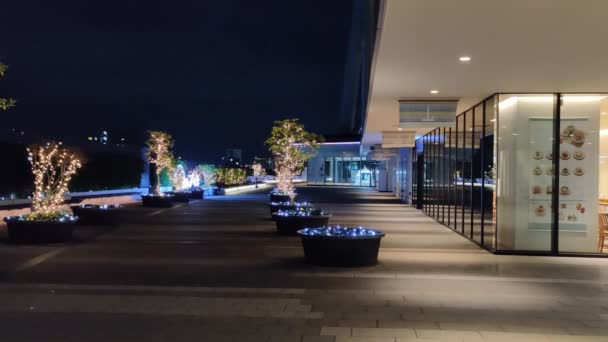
(53, 167)
(5, 103)
(159, 153)
(291, 146)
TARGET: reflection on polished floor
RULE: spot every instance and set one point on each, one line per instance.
(214, 270)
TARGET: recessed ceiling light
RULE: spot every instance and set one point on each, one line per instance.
(434, 91)
(603, 113)
(401, 129)
(465, 59)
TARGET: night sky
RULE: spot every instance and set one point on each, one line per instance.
(215, 74)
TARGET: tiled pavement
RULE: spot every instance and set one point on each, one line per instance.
(214, 270)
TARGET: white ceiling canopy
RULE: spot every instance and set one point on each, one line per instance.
(513, 46)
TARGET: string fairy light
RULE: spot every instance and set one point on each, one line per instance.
(53, 167)
(159, 153)
(291, 147)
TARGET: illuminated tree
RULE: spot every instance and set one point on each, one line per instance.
(177, 175)
(194, 178)
(258, 172)
(208, 172)
(53, 168)
(291, 146)
(159, 153)
(5, 103)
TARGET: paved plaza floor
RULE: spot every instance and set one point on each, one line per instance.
(215, 270)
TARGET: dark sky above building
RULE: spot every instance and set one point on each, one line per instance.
(215, 74)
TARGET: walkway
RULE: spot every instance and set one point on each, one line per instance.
(214, 270)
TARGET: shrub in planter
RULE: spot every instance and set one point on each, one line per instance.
(288, 205)
(98, 214)
(341, 246)
(290, 221)
(53, 167)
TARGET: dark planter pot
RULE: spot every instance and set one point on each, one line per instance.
(39, 231)
(279, 197)
(276, 206)
(289, 225)
(219, 191)
(197, 194)
(342, 250)
(157, 201)
(98, 214)
(180, 196)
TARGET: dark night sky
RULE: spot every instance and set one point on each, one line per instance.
(215, 74)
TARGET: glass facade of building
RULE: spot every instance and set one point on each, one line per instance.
(340, 164)
(521, 173)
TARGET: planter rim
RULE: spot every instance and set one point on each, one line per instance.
(281, 217)
(306, 234)
(295, 204)
(20, 220)
(97, 206)
(158, 196)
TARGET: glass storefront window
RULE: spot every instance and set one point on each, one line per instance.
(583, 184)
(525, 171)
(489, 173)
(467, 189)
(476, 172)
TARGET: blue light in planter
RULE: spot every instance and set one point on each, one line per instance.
(341, 232)
(301, 212)
(295, 204)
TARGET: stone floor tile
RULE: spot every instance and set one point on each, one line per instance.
(281, 338)
(336, 331)
(384, 332)
(408, 324)
(318, 339)
(358, 323)
(366, 339)
(472, 336)
(493, 336)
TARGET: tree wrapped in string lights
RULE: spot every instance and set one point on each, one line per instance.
(291, 146)
(53, 167)
(159, 153)
(177, 175)
(258, 172)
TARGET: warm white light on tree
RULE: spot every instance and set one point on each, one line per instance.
(177, 175)
(258, 171)
(159, 153)
(53, 167)
(5, 103)
(291, 145)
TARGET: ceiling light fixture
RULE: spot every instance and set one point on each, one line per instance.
(465, 59)
(434, 91)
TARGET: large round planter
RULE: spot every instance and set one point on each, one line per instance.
(22, 231)
(276, 206)
(97, 214)
(289, 225)
(157, 201)
(180, 196)
(197, 194)
(334, 246)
